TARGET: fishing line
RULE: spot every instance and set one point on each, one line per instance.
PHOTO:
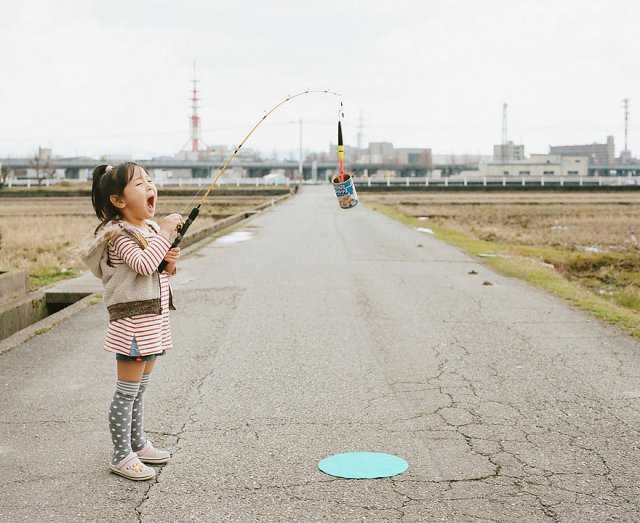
(223, 166)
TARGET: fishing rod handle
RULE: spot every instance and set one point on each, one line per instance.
(181, 232)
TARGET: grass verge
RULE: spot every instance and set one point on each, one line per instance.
(527, 263)
(46, 277)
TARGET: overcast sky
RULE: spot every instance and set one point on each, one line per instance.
(94, 77)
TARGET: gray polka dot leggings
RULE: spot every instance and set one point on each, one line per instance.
(126, 414)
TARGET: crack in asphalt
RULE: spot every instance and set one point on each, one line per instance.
(178, 435)
(464, 413)
(462, 408)
(196, 401)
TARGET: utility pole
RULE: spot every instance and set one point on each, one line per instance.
(300, 152)
(505, 154)
(504, 124)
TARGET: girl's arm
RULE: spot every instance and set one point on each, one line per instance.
(143, 261)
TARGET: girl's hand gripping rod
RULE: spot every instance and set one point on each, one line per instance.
(194, 212)
(182, 230)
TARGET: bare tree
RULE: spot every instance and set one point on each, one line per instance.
(4, 174)
(42, 164)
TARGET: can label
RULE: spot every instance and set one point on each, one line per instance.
(345, 191)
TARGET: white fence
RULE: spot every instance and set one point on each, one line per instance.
(506, 181)
(179, 182)
(452, 181)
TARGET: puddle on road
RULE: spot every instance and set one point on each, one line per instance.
(234, 237)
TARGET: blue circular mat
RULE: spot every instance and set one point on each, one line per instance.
(363, 465)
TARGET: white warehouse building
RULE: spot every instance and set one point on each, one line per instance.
(540, 165)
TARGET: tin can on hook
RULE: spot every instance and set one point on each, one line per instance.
(345, 190)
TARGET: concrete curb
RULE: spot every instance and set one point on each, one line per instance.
(45, 324)
(197, 241)
(192, 243)
(229, 221)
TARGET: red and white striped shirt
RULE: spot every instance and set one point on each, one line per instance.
(151, 332)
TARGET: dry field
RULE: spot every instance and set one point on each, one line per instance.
(44, 235)
(591, 238)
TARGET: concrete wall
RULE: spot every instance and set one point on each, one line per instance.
(18, 309)
(13, 284)
(18, 314)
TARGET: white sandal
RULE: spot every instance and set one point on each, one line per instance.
(132, 468)
(149, 454)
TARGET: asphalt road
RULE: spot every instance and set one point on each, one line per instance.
(331, 331)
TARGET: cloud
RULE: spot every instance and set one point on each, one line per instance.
(91, 77)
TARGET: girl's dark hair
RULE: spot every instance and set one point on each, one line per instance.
(109, 183)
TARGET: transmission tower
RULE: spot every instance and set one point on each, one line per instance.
(625, 105)
(360, 128)
(194, 127)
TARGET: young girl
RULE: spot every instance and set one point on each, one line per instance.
(127, 251)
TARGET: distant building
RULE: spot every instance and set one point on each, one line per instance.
(598, 153)
(379, 152)
(217, 153)
(414, 156)
(116, 158)
(626, 157)
(540, 165)
(508, 152)
(214, 155)
(386, 153)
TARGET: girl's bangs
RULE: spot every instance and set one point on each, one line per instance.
(131, 170)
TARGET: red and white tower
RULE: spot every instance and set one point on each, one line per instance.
(196, 140)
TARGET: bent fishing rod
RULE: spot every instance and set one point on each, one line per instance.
(182, 230)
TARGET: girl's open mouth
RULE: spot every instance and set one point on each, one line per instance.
(151, 204)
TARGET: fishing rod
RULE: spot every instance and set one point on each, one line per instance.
(182, 229)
